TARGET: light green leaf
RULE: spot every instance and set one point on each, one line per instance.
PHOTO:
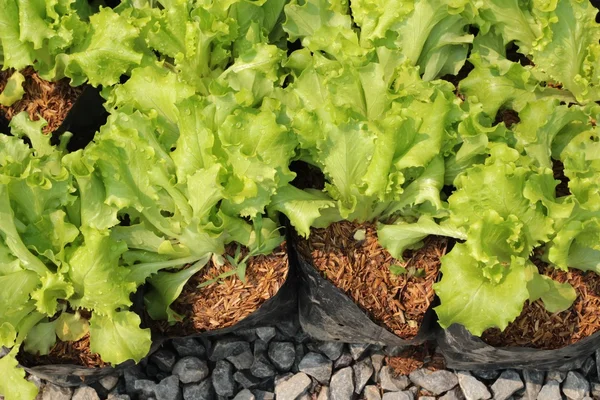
(71, 327)
(117, 337)
(13, 385)
(41, 338)
(13, 91)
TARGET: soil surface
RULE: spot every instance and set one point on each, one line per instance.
(228, 301)
(74, 353)
(361, 269)
(538, 328)
(49, 100)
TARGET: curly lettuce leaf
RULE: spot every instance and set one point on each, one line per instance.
(118, 337)
(13, 91)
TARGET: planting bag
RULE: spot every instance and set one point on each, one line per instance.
(467, 352)
(4, 125)
(326, 313)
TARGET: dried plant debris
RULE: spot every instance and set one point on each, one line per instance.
(226, 302)
(538, 328)
(363, 270)
(74, 353)
(49, 100)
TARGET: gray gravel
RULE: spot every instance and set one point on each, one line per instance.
(273, 364)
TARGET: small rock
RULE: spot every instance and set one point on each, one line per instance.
(199, 391)
(131, 375)
(163, 359)
(377, 361)
(454, 394)
(282, 355)
(109, 382)
(557, 376)
(262, 395)
(36, 381)
(227, 348)
(588, 367)
(533, 383)
(345, 360)
(293, 387)
(168, 389)
(357, 350)
(249, 335)
(222, 379)
(323, 393)
(397, 396)
(341, 386)
(144, 387)
(85, 393)
(436, 382)
(426, 398)
(489, 375)
(261, 367)
(317, 366)
(575, 386)
(371, 392)
(282, 378)
(266, 334)
(390, 381)
(414, 390)
(189, 347)
(508, 383)
(260, 347)
(245, 395)
(113, 396)
(363, 370)
(597, 356)
(243, 360)
(289, 327)
(53, 392)
(333, 350)
(190, 370)
(595, 389)
(246, 380)
(471, 387)
(550, 391)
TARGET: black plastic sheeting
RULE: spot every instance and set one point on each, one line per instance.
(328, 314)
(467, 352)
(4, 125)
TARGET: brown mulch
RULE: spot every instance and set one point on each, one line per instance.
(361, 269)
(74, 353)
(416, 357)
(223, 304)
(50, 100)
(562, 189)
(538, 328)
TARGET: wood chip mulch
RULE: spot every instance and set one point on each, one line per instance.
(361, 269)
(223, 304)
(538, 328)
(415, 357)
(74, 353)
(50, 100)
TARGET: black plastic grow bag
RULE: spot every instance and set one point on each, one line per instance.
(464, 351)
(328, 314)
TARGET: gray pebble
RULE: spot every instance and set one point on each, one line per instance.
(300, 352)
(189, 347)
(324, 393)
(190, 370)
(472, 388)
(199, 391)
(163, 359)
(113, 396)
(261, 367)
(390, 381)
(357, 350)
(317, 366)
(333, 350)
(53, 392)
(109, 382)
(282, 355)
(507, 384)
(397, 396)
(282, 378)
(293, 387)
(35, 380)
(85, 393)
(342, 385)
(550, 391)
(243, 360)
(222, 378)
(377, 361)
(168, 389)
(557, 376)
(131, 375)
(426, 398)
(249, 335)
(533, 383)
(436, 382)
(595, 389)
(371, 392)
(454, 394)
(345, 360)
(289, 327)
(266, 334)
(245, 395)
(246, 380)
(227, 348)
(144, 387)
(262, 395)
(575, 386)
(363, 371)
